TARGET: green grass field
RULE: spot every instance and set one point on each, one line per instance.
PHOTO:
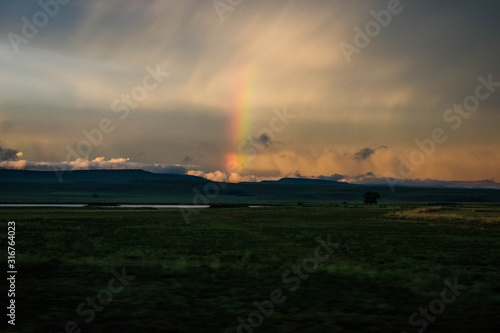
(202, 276)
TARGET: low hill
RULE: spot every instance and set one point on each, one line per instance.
(107, 176)
(140, 187)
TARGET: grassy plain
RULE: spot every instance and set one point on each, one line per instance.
(201, 276)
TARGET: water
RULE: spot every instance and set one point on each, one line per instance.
(165, 206)
(42, 205)
(118, 206)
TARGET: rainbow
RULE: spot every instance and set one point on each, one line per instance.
(239, 126)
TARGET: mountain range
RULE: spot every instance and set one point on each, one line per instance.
(139, 186)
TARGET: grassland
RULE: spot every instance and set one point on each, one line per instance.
(201, 276)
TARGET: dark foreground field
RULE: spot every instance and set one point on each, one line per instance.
(387, 263)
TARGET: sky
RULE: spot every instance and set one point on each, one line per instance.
(250, 90)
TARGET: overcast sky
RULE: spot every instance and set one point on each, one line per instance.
(348, 104)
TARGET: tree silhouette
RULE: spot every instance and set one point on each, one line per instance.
(371, 197)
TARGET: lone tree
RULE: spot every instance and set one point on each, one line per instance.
(371, 197)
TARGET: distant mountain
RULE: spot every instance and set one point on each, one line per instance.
(379, 182)
(134, 175)
(431, 183)
(100, 176)
(139, 186)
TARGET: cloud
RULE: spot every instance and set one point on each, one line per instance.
(285, 52)
(366, 152)
(229, 177)
(99, 163)
(253, 142)
(297, 174)
(359, 179)
(8, 154)
(363, 178)
(264, 140)
(335, 177)
(370, 178)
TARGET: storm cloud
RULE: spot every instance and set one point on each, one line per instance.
(8, 154)
(367, 152)
(264, 140)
